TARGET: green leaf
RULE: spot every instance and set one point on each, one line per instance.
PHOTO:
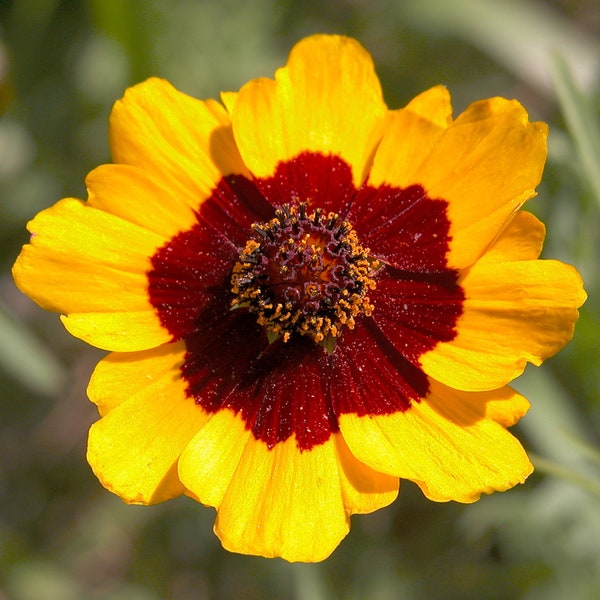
(27, 359)
(583, 124)
(555, 469)
(519, 35)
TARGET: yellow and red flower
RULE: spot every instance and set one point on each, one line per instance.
(307, 296)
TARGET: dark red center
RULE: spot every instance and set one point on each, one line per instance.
(218, 286)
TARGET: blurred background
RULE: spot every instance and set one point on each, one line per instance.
(62, 537)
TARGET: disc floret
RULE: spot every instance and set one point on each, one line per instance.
(304, 273)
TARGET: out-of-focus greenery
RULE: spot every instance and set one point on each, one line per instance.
(62, 537)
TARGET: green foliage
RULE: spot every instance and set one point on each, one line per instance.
(62, 65)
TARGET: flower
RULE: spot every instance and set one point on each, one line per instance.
(307, 297)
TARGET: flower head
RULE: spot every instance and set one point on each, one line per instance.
(307, 297)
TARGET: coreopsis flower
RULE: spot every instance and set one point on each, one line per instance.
(307, 297)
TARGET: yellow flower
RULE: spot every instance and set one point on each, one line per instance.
(307, 296)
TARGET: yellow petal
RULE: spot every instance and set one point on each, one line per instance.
(135, 447)
(433, 105)
(78, 264)
(185, 143)
(409, 138)
(447, 444)
(281, 501)
(487, 163)
(228, 99)
(210, 460)
(121, 375)
(514, 313)
(326, 99)
(521, 240)
(284, 503)
(138, 197)
(364, 490)
(506, 406)
(118, 331)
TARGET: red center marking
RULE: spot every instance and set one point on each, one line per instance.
(297, 387)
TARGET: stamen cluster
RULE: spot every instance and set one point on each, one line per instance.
(304, 273)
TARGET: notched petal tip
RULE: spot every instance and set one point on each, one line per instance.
(515, 312)
(150, 129)
(452, 444)
(77, 265)
(121, 474)
(280, 501)
(299, 110)
(434, 105)
(486, 165)
(148, 420)
(283, 502)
